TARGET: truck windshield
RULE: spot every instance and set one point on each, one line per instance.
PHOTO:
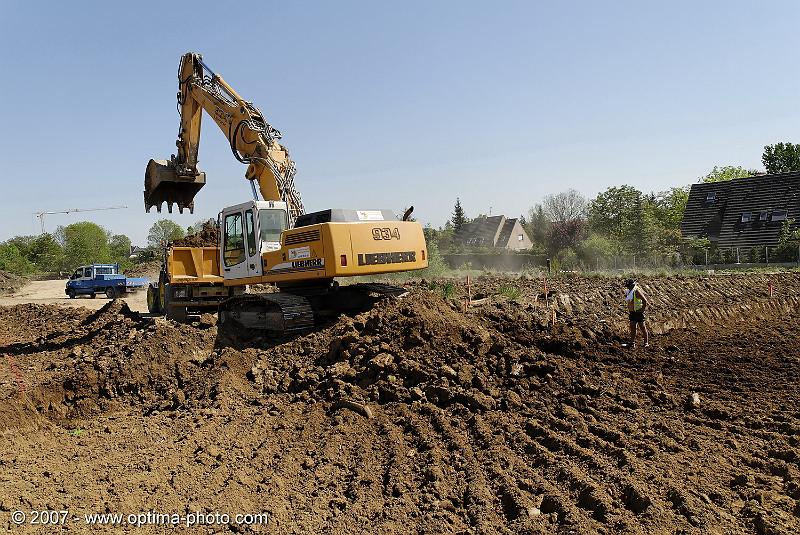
(272, 221)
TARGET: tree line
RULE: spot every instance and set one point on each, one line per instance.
(83, 243)
(620, 221)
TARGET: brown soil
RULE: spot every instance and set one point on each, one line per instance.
(10, 283)
(419, 417)
(208, 236)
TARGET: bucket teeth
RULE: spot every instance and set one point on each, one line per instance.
(162, 184)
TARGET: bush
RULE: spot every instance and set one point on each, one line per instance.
(13, 261)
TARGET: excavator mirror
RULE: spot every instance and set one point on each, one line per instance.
(163, 184)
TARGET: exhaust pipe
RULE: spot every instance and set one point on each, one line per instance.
(163, 184)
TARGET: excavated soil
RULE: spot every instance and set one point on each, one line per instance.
(208, 236)
(10, 283)
(520, 414)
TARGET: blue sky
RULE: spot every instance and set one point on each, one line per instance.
(390, 104)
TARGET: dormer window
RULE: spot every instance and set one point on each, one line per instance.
(763, 216)
(747, 217)
(779, 215)
(711, 196)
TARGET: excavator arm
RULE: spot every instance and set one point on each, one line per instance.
(252, 139)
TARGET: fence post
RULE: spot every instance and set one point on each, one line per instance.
(706, 256)
(737, 255)
(766, 253)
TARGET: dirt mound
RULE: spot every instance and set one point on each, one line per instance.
(79, 363)
(412, 349)
(10, 283)
(208, 236)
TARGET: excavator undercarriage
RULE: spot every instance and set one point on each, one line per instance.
(288, 313)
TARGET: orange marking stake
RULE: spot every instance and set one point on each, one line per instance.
(17, 375)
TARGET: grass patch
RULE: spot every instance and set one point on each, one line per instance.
(510, 292)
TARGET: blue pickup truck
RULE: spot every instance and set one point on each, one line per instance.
(102, 278)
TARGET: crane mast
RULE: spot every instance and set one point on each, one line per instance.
(253, 141)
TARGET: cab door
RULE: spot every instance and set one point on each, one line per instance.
(253, 241)
(234, 246)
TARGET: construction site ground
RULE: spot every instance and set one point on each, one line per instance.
(520, 414)
(51, 292)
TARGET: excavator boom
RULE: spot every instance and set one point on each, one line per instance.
(252, 139)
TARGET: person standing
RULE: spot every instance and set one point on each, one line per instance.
(637, 306)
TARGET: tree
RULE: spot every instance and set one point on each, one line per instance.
(563, 235)
(788, 242)
(670, 206)
(565, 206)
(12, 259)
(538, 225)
(781, 157)
(163, 231)
(595, 247)
(727, 172)
(459, 218)
(84, 243)
(46, 253)
(613, 214)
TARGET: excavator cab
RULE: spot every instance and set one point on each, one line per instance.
(163, 184)
(248, 230)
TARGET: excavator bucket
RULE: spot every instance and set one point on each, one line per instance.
(162, 184)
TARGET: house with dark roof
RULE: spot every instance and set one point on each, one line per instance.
(744, 212)
(496, 231)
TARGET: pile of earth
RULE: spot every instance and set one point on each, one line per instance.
(10, 283)
(207, 236)
(417, 348)
(79, 363)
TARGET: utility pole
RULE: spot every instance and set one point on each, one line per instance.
(41, 215)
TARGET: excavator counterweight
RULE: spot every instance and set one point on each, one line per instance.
(163, 184)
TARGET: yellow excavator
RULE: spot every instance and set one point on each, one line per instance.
(271, 239)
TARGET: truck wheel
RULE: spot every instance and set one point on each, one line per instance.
(153, 299)
(111, 293)
(92, 295)
(71, 293)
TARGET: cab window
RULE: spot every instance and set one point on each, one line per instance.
(272, 222)
(78, 274)
(233, 249)
(87, 273)
(251, 233)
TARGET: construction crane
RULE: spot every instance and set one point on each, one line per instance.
(41, 215)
